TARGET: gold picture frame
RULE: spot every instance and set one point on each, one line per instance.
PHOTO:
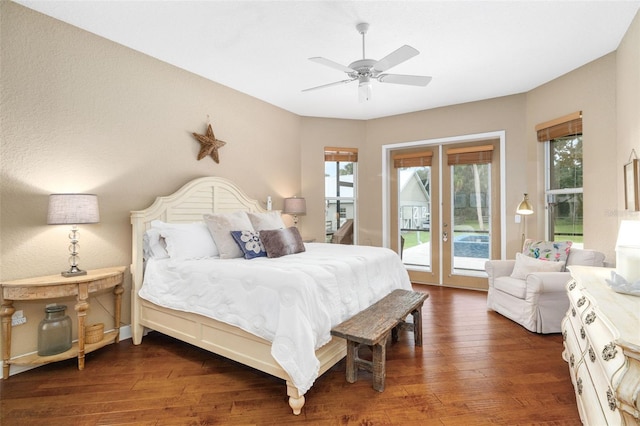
(631, 184)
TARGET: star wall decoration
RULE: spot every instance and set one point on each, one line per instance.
(209, 145)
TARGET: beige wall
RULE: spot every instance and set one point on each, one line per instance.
(506, 113)
(83, 114)
(591, 89)
(627, 109)
(80, 113)
(315, 135)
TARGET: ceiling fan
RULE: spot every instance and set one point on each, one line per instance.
(364, 70)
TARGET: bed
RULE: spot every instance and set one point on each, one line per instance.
(246, 337)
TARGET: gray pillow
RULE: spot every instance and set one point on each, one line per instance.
(281, 242)
(221, 224)
(267, 220)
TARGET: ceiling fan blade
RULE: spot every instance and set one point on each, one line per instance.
(331, 64)
(336, 83)
(411, 80)
(394, 58)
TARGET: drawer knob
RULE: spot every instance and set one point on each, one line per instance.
(572, 360)
(592, 354)
(572, 285)
(590, 318)
(579, 385)
(611, 399)
(582, 301)
(582, 333)
(609, 352)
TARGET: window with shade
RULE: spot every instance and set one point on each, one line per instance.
(340, 177)
(563, 177)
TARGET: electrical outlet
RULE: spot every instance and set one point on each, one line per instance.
(18, 318)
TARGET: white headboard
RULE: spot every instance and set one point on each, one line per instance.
(188, 204)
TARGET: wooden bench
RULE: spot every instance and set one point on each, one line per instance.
(372, 327)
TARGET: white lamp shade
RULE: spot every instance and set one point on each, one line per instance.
(73, 209)
(295, 205)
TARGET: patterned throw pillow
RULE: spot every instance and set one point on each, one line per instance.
(554, 251)
(250, 244)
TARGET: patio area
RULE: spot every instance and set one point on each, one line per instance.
(420, 255)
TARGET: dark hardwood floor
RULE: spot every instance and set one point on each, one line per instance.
(475, 367)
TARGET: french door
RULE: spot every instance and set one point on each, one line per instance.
(445, 210)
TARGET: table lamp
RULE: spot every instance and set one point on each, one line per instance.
(295, 206)
(73, 209)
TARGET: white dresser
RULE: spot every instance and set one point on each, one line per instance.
(601, 334)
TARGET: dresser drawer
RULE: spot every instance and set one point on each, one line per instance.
(572, 353)
(575, 323)
(578, 300)
(601, 343)
(587, 398)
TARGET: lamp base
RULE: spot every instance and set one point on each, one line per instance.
(73, 272)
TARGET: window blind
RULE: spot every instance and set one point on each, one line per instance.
(567, 125)
(414, 159)
(481, 154)
(340, 154)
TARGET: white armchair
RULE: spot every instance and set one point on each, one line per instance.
(539, 301)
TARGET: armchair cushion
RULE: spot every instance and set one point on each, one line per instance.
(585, 257)
(513, 286)
(526, 265)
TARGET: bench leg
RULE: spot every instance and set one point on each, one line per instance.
(352, 355)
(417, 325)
(379, 371)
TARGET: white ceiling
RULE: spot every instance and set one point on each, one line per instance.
(473, 49)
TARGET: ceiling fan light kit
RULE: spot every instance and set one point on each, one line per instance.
(364, 70)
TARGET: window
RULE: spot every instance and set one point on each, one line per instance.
(563, 178)
(340, 171)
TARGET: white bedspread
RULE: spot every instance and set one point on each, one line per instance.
(292, 301)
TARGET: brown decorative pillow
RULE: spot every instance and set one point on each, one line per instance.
(281, 242)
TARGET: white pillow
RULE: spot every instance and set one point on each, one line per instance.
(187, 240)
(154, 245)
(220, 226)
(526, 265)
(266, 221)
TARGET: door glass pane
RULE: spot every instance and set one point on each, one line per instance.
(471, 195)
(414, 216)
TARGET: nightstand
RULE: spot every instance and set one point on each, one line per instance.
(57, 286)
